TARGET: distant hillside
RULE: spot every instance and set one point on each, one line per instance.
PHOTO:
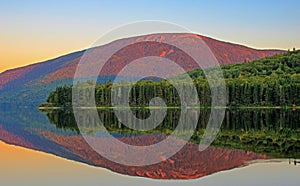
(32, 84)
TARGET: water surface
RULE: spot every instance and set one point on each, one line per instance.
(246, 135)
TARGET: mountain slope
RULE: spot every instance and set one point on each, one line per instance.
(31, 85)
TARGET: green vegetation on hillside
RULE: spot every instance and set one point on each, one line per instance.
(272, 81)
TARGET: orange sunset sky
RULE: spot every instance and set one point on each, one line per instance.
(34, 31)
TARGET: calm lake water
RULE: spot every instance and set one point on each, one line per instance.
(245, 135)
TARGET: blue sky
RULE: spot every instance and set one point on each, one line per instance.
(57, 27)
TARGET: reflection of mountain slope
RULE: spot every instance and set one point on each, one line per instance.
(18, 125)
(32, 84)
(9, 137)
(186, 164)
(31, 128)
(273, 132)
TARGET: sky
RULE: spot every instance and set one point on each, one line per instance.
(36, 30)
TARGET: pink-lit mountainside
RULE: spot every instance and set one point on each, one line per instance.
(32, 84)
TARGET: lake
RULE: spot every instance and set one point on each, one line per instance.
(245, 135)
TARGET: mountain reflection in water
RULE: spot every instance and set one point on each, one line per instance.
(239, 141)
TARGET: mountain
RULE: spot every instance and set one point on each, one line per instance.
(30, 85)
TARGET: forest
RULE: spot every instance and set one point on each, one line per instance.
(272, 81)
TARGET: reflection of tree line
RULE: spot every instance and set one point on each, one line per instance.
(242, 119)
(88, 120)
(271, 131)
(63, 120)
